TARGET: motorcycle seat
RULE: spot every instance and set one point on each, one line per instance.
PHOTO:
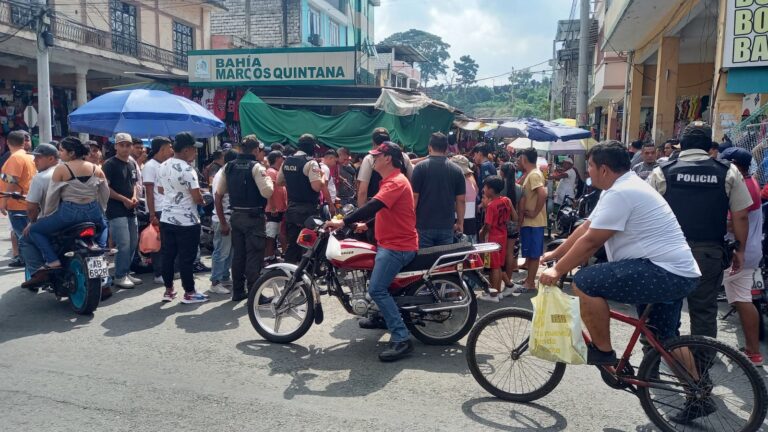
(426, 257)
(74, 230)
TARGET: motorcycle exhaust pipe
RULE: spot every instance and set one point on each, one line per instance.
(438, 307)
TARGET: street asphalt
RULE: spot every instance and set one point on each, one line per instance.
(140, 365)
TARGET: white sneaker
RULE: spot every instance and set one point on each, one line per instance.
(226, 283)
(491, 299)
(518, 289)
(124, 282)
(135, 280)
(218, 288)
(158, 280)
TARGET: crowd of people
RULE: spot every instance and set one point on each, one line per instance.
(695, 194)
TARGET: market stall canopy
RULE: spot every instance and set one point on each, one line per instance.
(351, 129)
(404, 103)
(144, 114)
(539, 130)
(566, 122)
(555, 147)
(469, 125)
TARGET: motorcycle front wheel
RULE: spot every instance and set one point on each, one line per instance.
(447, 326)
(84, 293)
(287, 323)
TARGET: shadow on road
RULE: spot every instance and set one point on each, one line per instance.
(24, 313)
(145, 318)
(507, 416)
(222, 317)
(357, 357)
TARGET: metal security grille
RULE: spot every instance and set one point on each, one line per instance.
(123, 23)
(183, 42)
(752, 134)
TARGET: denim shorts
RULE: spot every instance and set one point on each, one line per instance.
(639, 282)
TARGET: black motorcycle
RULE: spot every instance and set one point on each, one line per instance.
(83, 266)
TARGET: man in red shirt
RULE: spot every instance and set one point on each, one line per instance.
(396, 237)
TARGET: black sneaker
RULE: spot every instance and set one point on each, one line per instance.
(199, 267)
(16, 262)
(374, 323)
(596, 357)
(396, 350)
(693, 409)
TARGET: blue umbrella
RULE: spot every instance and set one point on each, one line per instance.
(144, 114)
(540, 130)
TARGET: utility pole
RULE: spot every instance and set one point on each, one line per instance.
(552, 82)
(44, 39)
(583, 86)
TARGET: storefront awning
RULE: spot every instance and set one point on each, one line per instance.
(469, 125)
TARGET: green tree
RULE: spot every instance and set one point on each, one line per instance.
(466, 69)
(431, 46)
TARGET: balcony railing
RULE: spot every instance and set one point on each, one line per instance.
(16, 15)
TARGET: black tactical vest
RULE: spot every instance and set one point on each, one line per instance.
(242, 189)
(696, 193)
(296, 183)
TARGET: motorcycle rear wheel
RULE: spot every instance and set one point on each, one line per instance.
(265, 319)
(443, 327)
(84, 293)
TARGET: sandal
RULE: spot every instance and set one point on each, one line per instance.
(47, 268)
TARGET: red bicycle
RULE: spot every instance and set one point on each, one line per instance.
(688, 383)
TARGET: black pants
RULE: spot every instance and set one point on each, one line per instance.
(295, 217)
(179, 244)
(702, 302)
(248, 242)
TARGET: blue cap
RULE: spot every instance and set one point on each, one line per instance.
(737, 155)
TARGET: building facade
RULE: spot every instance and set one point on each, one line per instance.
(299, 24)
(96, 46)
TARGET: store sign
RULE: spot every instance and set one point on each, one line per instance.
(273, 67)
(746, 33)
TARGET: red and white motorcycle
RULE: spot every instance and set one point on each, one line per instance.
(435, 302)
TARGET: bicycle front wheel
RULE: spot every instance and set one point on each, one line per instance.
(499, 359)
(711, 387)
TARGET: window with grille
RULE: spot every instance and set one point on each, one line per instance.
(183, 42)
(333, 37)
(123, 24)
(21, 13)
(314, 22)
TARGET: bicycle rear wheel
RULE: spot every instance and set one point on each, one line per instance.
(721, 391)
(499, 359)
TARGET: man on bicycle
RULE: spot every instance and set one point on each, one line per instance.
(649, 260)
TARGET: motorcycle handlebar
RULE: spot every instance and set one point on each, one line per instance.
(13, 195)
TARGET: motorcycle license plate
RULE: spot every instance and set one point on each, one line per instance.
(97, 267)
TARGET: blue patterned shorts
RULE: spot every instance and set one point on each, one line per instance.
(640, 282)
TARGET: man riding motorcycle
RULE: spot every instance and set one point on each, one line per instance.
(397, 240)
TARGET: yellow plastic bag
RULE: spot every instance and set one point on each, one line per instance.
(556, 333)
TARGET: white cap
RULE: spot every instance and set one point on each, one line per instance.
(123, 137)
(569, 160)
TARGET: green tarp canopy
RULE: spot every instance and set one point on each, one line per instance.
(351, 129)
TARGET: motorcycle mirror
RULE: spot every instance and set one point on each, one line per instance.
(347, 209)
(312, 222)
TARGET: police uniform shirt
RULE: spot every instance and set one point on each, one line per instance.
(738, 194)
(311, 170)
(263, 182)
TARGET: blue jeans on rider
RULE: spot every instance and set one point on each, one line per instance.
(221, 258)
(67, 214)
(126, 237)
(435, 237)
(387, 266)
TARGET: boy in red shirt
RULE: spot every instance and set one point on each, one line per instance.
(498, 212)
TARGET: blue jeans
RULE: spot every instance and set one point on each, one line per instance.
(221, 259)
(67, 214)
(387, 266)
(435, 237)
(33, 260)
(126, 238)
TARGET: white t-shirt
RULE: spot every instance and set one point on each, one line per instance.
(177, 178)
(38, 189)
(149, 173)
(645, 227)
(566, 186)
(224, 200)
(329, 180)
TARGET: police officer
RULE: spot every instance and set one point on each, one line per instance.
(249, 187)
(303, 180)
(701, 191)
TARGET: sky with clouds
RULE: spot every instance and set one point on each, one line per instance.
(498, 34)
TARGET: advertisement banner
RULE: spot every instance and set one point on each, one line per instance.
(746, 33)
(288, 66)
